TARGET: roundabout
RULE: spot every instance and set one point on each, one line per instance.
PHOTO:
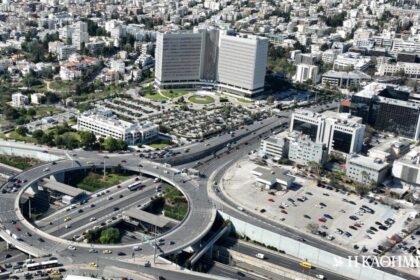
(201, 99)
(29, 238)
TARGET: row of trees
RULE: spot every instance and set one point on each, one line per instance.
(63, 136)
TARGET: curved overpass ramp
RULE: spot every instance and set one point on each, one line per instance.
(37, 243)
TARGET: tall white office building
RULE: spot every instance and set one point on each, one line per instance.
(178, 59)
(232, 64)
(242, 64)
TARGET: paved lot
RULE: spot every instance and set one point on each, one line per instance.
(240, 185)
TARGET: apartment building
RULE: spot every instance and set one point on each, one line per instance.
(409, 70)
(19, 100)
(306, 72)
(104, 123)
(80, 34)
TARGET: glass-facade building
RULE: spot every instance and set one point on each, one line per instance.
(342, 141)
(389, 110)
(306, 128)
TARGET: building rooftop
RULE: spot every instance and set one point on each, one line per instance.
(62, 188)
(270, 175)
(372, 163)
(159, 221)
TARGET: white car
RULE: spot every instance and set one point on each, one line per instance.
(320, 276)
(71, 247)
(92, 219)
(260, 256)
(46, 169)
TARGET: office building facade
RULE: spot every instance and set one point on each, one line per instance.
(387, 108)
(303, 150)
(339, 132)
(208, 58)
(104, 123)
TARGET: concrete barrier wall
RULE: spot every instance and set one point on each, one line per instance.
(303, 251)
(280, 271)
(28, 153)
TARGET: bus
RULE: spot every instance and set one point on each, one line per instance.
(135, 186)
(307, 265)
(42, 265)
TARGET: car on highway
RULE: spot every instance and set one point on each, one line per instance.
(46, 169)
(320, 276)
(18, 229)
(66, 219)
(93, 264)
(92, 219)
(106, 251)
(71, 247)
(260, 256)
(93, 251)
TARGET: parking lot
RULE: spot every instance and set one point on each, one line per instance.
(321, 210)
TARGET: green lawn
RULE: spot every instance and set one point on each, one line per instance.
(15, 136)
(18, 162)
(160, 144)
(156, 97)
(176, 206)
(243, 100)
(174, 94)
(94, 181)
(201, 99)
(44, 111)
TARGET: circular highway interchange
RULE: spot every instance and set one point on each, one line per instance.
(38, 242)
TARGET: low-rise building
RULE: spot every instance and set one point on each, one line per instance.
(407, 168)
(275, 147)
(104, 123)
(273, 177)
(364, 169)
(37, 98)
(303, 150)
(410, 70)
(344, 79)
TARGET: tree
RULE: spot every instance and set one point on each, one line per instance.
(110, 235)
(87, 139)
(270, 99)
(21, 130)
(10, 113)
(313, 228)
(111, 144)
(37, 134)
(31, 112)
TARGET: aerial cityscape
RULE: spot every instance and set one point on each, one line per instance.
(210, 139)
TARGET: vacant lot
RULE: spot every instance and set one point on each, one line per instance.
(19, 162)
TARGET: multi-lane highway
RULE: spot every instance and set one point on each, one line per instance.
(212, 157)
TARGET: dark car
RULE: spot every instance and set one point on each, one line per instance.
(80, 211)
(383, 227)
(353, 217)
(121, 254)
(116, 208)
(40, 239)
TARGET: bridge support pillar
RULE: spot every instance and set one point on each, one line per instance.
(58, 177)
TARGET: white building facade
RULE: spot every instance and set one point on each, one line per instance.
(207, 57)
(104, 123)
